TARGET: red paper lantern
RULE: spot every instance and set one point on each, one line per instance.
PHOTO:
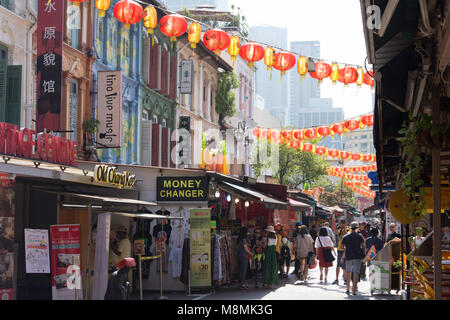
(307, 147)
(356, 157)
(256, 132)
(298, 134)
(368, 79)
(345, 155)
(350, 176)
(365, 168)
(309, 133)
(373, 167)
(367, 120)
(365, 184)
(367, 157)
(358, 184)
(216, 40)
(333, 153)
(356, 169)
(323, 131)
(265, 134)
(321, 150)
(348, 75)
(173, 26)
(287, 134)
(295, 144)
(374, 158)
(128, 12)
(284, 61)
(338, 128)
(275, 134)
(359, 178)
(322, 70)
(347, 169)
(351, 125)
(251, 52)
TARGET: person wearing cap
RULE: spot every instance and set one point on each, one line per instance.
(354, 252)
(118, 285)
(270, 267)
(303, 245)
(341, 232)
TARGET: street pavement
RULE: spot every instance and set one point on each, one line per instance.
(290, 289)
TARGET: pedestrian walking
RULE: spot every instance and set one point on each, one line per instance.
(341, 232)
(258, 260)
(285, 255)
(394, 234)
(270, 266)
(324, 246)
(365, 233)
(296, 261)
(278, 231)
(330, 232)
(304, 244)
(354, 252)
(243, 254)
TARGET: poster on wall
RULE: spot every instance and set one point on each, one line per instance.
(200, 246)
(65, 256)
(37, 253)
(109, 111)
(50, 31)
(7, 192)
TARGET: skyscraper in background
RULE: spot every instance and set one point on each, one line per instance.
(175, 5)
(274, 92)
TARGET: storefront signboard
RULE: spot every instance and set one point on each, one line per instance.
(109, 111)
(445, 198)
(28, 144)
(182, 189)
(200, 246)
(65, 255)
(110, 175)
(37, 253)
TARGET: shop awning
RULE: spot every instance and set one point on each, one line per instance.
(102, 199)
(269, 203)
(146, 216)
(299, 206)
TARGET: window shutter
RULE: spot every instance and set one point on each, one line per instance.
(156, 143)
(13, 94)
(154, 67)
(173, 77)
(146, 142)
(164, 72)
(3, 72)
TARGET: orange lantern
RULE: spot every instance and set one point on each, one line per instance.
(334, 73)
(323, 131)
(307, 147)
(348, 75)
(368, 79)
(77, 2)
(128, 12)
(356, 169)
(298, 134)
(194, 35)
(360, 78)
(358, 184)
(256, 132)
(251, 52)
(269, 59)
(345, 155)
(373, 167)
(347, 169)
(374, 158)
(309, 133)
(358, 178)
(365, 184)
(356, 157)
(102, 7)
(150, 20)
(367, 158)
(284, 61)
(173, 26)
(275, 134)
(338, 128)
(233, 48)
(350, 176)
(265, 133)
(302, 66)
(321, 151)
(322, 70)
(295, 144)
(287, 134)
(333, 153)
(351, 125)
(367, 120)
(216, 40)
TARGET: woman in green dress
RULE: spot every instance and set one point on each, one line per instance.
(270, 267)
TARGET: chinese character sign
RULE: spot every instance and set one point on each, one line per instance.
(50, 33)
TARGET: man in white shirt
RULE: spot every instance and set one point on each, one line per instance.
(330, 233)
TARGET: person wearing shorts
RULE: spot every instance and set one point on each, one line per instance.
(342, 231)
(354, 252)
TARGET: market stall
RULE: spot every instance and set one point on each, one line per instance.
(384, 273)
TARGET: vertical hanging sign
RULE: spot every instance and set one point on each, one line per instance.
(109, 110)
(200, 245)
(50, 31)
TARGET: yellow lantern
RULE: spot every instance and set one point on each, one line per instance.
(233, 48)
(302, 67)
(194, 34)
(360, 79)
(102, 6)
(334, 73)
(150, 20)
(269, 59)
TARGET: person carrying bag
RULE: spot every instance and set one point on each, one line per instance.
(324, 246)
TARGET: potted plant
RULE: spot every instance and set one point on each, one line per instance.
(89, 129)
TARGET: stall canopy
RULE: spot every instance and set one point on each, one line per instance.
(269, 203)
(146, 216)
(299, 206)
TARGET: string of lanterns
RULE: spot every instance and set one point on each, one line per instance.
(339, 170)
(174, 25)
(359, 188)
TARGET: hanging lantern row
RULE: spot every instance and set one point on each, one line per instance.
(365, 168)
(349, 176)
(216, 40)
(317, 132)
(359, 188)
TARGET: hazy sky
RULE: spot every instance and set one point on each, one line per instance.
(337, 24)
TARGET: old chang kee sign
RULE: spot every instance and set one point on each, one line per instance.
(110, 175)
(182, 188)
(28, 144)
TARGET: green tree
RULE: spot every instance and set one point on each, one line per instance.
(225, 97)
(335, 193)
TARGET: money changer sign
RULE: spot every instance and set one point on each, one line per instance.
(182, 188)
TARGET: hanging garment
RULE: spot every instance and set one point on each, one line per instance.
(185, 264)
(175, 259)
(217, 270)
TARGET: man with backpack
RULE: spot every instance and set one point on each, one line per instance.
(285, 255)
